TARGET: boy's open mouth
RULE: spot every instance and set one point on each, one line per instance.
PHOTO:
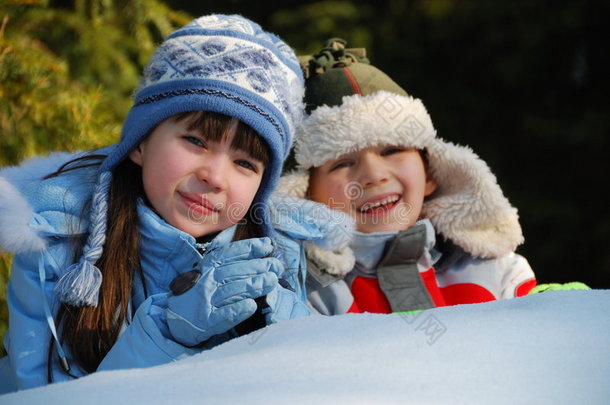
(385, 204)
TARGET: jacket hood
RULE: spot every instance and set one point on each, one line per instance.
(33, 210)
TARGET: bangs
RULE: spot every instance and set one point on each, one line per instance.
(217, 127)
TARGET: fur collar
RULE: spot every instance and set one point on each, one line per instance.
(16, 234)
(325, 233)
(23, 230)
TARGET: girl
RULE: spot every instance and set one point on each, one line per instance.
(157, 247)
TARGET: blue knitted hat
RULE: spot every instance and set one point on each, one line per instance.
(220, 63)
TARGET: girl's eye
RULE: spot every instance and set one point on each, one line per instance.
(247, 165)
(341, 165)
(392, 150)
(194, 140)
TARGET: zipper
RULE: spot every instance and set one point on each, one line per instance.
(202, 249)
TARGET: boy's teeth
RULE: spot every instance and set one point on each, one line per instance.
(385, 201)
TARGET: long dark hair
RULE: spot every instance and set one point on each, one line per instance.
(90, 332)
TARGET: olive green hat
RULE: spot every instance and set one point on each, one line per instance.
(336, 72)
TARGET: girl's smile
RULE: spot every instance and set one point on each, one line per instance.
(198, 204)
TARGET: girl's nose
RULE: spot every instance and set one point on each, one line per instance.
(213, 172)
(371, 170)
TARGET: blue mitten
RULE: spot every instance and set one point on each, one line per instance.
(284, 304)
(220, 293)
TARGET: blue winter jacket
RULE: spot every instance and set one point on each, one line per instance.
(39, 219)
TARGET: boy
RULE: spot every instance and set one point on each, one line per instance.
(433, 227)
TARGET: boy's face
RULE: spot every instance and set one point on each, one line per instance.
(383, 187)
(196, 185)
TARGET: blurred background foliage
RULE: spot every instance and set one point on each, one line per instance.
(524, 83)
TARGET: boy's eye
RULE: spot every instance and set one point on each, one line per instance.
(340, 165)
(194, 140)
(392, 150)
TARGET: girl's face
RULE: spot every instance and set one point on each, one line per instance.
(196, 185)
(383, 188)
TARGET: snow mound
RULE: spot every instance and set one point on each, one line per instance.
(549, 348)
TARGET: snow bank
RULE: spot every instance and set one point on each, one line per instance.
(550, 348)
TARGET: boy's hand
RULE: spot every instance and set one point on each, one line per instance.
(220, 293)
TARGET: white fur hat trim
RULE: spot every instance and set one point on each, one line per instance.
(381, 118)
